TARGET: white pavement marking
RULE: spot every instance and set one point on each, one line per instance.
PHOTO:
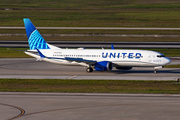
(72, 77)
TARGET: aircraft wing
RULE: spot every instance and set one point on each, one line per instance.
(80, 60)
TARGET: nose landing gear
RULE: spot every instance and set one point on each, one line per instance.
(155, 71)
(156, 68)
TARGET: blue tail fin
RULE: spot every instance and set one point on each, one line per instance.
(35, 40)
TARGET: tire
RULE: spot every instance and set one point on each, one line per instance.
(89, 70)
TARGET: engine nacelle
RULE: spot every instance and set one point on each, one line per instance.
(124, 68)
(103, 66)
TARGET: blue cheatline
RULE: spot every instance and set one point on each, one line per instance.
(42, 56)
(36, 41)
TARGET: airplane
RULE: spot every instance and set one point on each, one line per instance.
(92, 59)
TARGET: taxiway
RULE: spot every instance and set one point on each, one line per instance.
(84, 106)
(29, 68)
(88, 106)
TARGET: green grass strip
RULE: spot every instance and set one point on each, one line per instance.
(89, 86)
(172, 66)
(13, 53)
(104, 13)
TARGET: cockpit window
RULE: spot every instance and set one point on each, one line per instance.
(161, 56)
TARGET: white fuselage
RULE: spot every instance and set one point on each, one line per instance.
(119, 58)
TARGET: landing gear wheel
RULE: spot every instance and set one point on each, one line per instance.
(89, 69)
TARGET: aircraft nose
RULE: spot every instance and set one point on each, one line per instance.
(167, 61)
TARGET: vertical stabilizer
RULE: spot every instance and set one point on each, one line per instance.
(35, 40)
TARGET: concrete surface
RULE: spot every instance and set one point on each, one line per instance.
(32, 69)
(81, 106)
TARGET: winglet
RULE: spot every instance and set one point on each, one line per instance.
(112, 47)
(40, 53)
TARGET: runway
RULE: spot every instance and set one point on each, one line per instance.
(88, 106)
(29, 68)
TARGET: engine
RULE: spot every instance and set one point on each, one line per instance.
(124, 68)
(103, 66)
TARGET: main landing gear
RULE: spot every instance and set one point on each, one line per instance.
(89, 69)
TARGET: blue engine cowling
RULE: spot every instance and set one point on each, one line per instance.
(103, 66)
